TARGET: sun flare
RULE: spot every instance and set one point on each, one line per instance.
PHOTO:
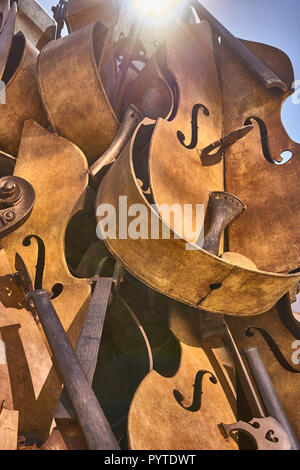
(156, 8)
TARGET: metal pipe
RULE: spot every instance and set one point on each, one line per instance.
(92, 420)
(131, 119)
(268, 393)
(246, 382)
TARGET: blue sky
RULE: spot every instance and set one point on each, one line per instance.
(274, 22)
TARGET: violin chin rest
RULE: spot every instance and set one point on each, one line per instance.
(238, 260)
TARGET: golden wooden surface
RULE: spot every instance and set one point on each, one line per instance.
(175, 268)
(22, 96)
(179, 175)
(268, 232)
(78, 107)
(157, 421)
(52, 165)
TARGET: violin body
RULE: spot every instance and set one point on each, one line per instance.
(79, 108)
(52, 165)
(269, 190)
(186, 408)
(178, 175)
(171, 265)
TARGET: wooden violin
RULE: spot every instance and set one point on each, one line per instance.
(161, 165)
(41, 154)
(254, 165)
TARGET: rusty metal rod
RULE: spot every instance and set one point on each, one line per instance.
(268, 393)
(90, 415)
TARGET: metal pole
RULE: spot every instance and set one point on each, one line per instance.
(92, 420)
(268, 393)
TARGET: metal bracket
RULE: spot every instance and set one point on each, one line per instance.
(267, 433)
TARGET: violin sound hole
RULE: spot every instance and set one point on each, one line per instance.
(285, 155)
(56, 290)
(273, 347)
(197, 398)
(40, 266)
(194, 121)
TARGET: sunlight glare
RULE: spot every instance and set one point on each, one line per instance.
(156, 8)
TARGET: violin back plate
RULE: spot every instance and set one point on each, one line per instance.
(268, 231)
(176, 268)
(78, 108)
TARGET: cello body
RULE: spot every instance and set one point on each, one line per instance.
(252, 165)
(41, 154)
(187, 406)
(79, 108)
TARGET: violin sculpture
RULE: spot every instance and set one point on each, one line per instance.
(79, 107)
(172, 169)
(168, 139)
(47, 161)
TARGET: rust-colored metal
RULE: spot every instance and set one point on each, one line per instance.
(268, 232)
(80, 13)
(17, 198)
(52, 165)
(173, 266)
(22, 96)
(78, 107)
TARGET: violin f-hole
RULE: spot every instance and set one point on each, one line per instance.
(194, 139)
(40, 266)
(273, 347)
(197, 398)
(264, 136)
